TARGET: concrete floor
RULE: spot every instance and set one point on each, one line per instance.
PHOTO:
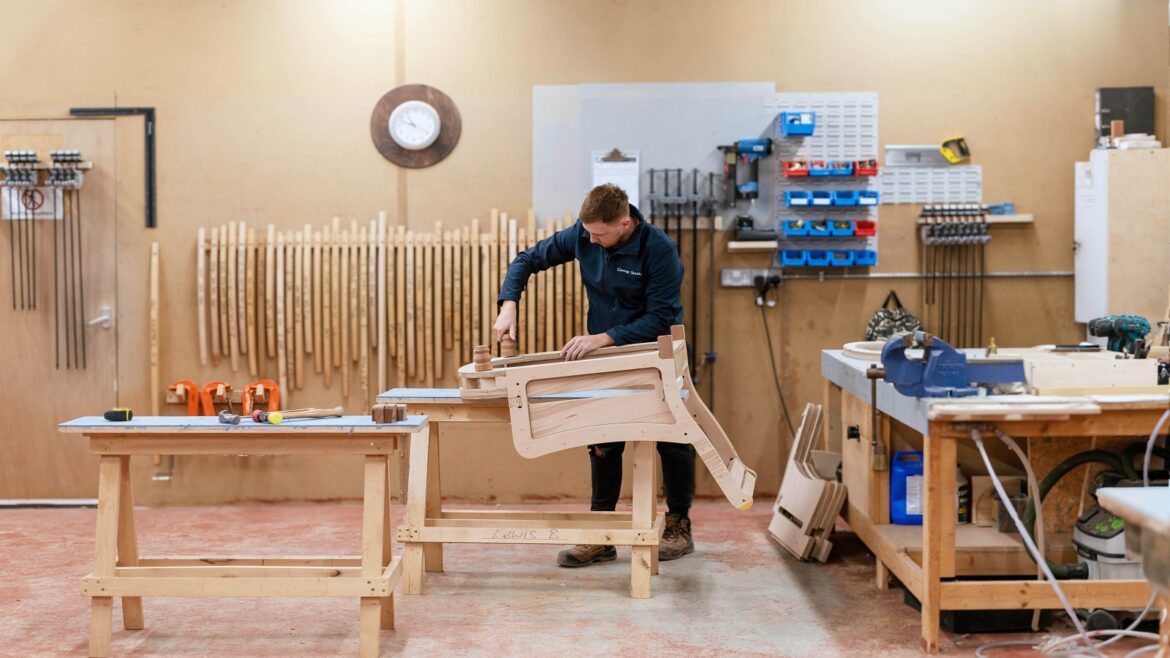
(738, 594)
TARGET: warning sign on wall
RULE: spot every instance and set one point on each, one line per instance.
(31, 203)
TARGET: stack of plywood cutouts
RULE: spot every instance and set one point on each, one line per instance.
(810, 498)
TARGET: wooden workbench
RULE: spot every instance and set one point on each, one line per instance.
(119, 571)
(928, 559)
(428, 525)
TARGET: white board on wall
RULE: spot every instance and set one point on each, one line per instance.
(671, 125)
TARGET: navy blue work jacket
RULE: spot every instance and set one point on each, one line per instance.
(633, 289)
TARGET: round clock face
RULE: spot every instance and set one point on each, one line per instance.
(414, 125)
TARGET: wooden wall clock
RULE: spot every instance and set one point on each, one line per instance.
(415, 125)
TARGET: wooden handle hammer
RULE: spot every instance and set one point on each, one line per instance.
(277, 417)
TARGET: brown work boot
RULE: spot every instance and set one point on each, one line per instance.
(583, 555)
(676, 538)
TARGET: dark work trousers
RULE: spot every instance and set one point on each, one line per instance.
(678, 475)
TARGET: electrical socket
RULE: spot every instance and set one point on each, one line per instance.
(743, 277)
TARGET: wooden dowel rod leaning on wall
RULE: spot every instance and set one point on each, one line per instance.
(326, 307)
(363, 317)
(343, 310)
(233, 335)
(155, 391)
(250, 300)
(299, 309)
(270, 291)
(200, 295)
(213, 295)
(400, 303)
(241, 286)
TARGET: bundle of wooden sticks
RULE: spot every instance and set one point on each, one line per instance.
(404, 307)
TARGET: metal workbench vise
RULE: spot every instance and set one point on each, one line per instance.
(941, 371)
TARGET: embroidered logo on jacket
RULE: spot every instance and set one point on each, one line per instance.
(630, 272)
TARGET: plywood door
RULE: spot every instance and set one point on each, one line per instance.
(38, 461)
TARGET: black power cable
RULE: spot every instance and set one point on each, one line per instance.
(763, 286)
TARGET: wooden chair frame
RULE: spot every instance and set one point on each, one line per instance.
(631, 393)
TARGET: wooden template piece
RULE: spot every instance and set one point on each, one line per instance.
(335, 289)
(410, 305)
(281, 364)
(241, 288)
(231, 296)
(318, 315)
(269, 291)
(307, 287)
(327, 305)
(154, 337)
(200, 294)
(343, 245)
(213, 294)
(363, 316)
(250, 300)
(298, 310)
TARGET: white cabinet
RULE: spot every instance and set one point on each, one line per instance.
(1122, 234)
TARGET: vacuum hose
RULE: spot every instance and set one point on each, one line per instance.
(1075, 570)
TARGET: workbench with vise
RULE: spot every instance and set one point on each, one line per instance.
(931, 560)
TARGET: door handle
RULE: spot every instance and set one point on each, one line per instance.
(105, 320)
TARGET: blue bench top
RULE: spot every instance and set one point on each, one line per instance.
(206, 424)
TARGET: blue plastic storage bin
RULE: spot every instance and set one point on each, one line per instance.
(907, 488)
(845, 198)
(869, 198)
(818, 168)
(841, 168)
(819, 229)
(795, 228)
(797, 124)
(792, 257)
(865, 257)
(817, 258)
(821, 198)
(841, 228)
(841, 258)
(797, 198)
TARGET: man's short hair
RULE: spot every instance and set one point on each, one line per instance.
(605, 203)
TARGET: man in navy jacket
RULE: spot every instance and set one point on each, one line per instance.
(632, 276)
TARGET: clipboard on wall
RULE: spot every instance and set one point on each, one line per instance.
(621, 168)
